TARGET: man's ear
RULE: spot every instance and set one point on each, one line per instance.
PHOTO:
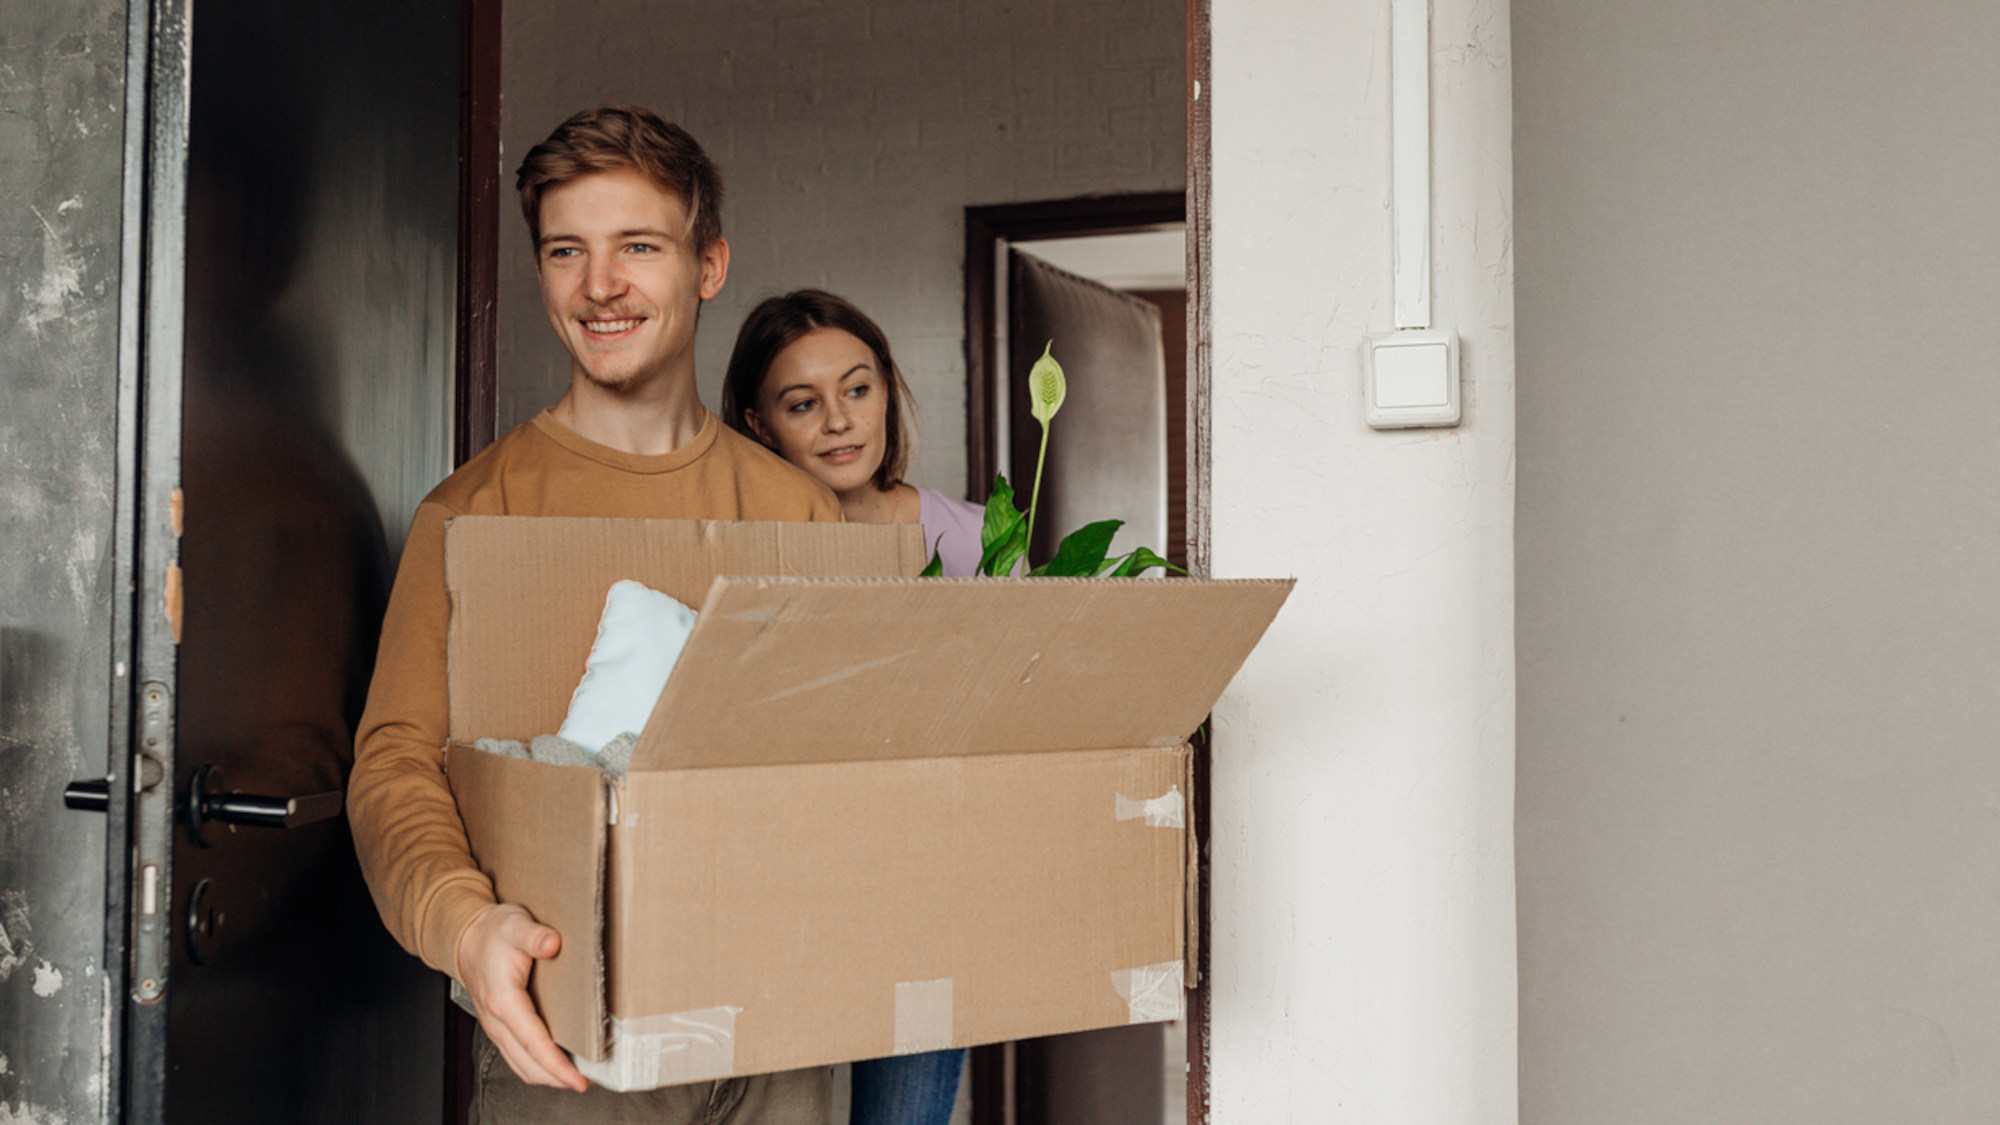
(714, 267)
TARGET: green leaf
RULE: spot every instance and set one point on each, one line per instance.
(934, 568)
(1000, 514)
(1046, 388)
(1082, 551)
(1000, 557)
(1138, 562)
(1003, 538)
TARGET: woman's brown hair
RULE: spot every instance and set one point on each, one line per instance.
(774, 324)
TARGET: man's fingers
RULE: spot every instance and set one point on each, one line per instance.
(553, 1061)
(517, 1059)
(525, 1043)
(496, 954)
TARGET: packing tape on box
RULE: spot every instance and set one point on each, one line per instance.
(1169, 810)
(923, 1016)
(668, 1050)
(1152, 992)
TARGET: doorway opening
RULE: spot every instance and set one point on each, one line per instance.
(853, 143)
(1104, 277)
(1109, 274)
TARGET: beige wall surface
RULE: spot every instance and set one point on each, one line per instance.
(1759, 533)
(851, 136)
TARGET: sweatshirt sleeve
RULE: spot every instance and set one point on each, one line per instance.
(407, 832)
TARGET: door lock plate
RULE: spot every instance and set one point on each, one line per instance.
(153, 842)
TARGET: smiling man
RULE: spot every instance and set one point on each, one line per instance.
(623, 210)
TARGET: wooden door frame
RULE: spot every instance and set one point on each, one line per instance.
(1200, 443)
(475, 399)
(475, 406)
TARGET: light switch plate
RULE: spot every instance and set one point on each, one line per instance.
(1413, 380)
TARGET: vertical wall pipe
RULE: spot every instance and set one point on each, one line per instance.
(1410, 157)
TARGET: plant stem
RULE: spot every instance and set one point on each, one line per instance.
(1035, 495)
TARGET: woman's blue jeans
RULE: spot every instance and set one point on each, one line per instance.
(907, 1089)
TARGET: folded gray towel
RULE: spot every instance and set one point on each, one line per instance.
(617, 754)
(559, 752)
(555, 751)
(505, 747)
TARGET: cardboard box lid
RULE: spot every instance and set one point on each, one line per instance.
(526, 593)
(869, 668)
(782, 670)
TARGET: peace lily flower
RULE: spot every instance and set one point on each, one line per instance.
(1046, 390)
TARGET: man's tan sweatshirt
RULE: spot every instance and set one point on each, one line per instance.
(407, 830)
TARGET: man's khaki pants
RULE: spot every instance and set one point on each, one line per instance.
(793, 1097)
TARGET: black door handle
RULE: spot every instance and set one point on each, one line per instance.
(201, 805)
(87, 796)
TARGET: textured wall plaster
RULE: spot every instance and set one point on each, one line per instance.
(61, 98)
(1363, 865)
(852, 135)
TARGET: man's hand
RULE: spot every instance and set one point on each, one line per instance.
(494, 955)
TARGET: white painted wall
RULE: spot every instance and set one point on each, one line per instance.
(852, 136)
(1363, 780)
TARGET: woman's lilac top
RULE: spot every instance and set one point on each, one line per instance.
(951, 527)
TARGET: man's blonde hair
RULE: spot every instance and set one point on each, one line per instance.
(611, 137)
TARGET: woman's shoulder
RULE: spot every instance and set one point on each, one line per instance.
(935, 506)
(952, 528)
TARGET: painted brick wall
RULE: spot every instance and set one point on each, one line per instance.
(851, 137)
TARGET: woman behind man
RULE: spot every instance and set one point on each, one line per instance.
(812, 378)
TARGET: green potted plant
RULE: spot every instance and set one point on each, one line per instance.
(1004, 538)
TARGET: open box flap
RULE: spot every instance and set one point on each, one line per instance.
(539, 832)
(926, 667)
(526, 594)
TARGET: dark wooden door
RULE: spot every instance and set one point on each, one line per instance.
(291, 403)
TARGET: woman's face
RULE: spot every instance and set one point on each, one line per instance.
(824, 406)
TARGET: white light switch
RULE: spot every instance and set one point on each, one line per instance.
(1413, 380)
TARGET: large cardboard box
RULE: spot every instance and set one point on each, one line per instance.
(871, 814)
